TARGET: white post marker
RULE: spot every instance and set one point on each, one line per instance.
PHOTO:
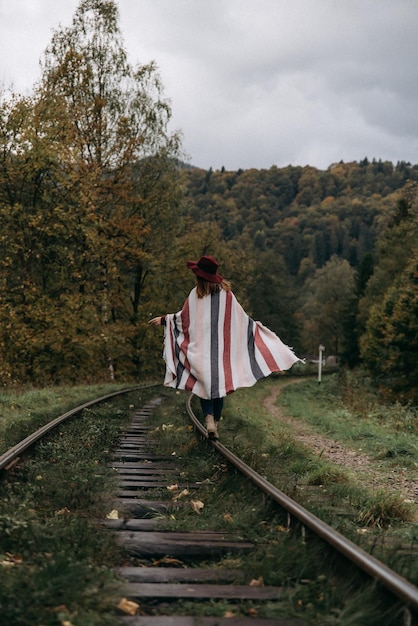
(321, 350)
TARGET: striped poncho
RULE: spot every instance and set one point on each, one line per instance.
(212, 347)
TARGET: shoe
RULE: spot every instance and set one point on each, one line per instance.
(211, 427)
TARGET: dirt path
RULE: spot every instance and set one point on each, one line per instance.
(365, 469)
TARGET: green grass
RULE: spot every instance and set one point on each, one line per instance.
(282, 556)
(55, 561)
(56, 553)
(24, 410)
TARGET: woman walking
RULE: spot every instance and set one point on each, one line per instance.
(212, 347)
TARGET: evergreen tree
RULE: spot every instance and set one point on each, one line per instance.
(328, 305)
(390, 343)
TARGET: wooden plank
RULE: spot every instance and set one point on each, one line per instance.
(140, 456)
(126, 493)
(143, 471)
(185, 620)
(129, 487)
(137, 439)
(138, 435)
(131, 482)
(178, 574)
(152, 465)
(187, 536)
(135, 524)
(144, 524)
(184, 591)
(140, 508)
(158, 544)
(134, 528)
(128, 445)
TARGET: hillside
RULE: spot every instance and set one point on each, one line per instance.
(302, 213)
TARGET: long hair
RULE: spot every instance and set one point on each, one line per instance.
(206, 288)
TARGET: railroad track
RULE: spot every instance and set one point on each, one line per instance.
(140, 472)
(137, 530)
(165, 567)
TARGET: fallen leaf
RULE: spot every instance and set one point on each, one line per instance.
(11, 559)
(63, 511)
(257, 582)
(172, 487)
(184, 492)
(197, 505)
(168, 561)
(228, 517)
(282, 529)
(252, 612)
(229, 614)
(114, 514)
(128, 606)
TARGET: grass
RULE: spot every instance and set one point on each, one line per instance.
(55, 553)
(54, 561)
(314, 588)
(345, 410)
(24, 410)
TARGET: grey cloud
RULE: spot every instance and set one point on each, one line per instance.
(260, 82)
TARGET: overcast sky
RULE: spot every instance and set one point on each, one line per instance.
(256, 83)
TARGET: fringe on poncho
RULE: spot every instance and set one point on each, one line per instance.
(212, 347)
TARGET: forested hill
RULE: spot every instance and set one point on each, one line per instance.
(97, 220)
(305, 214)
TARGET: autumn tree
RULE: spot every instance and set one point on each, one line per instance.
(101, 180)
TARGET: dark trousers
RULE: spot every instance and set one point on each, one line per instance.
(212, 407)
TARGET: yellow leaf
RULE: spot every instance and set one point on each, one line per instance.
(128, 606)
(229, 614)
(197, 505)
(228, 517)
(172, 487)
(282, 529)
(63, 511)
(114, 514)
(184, 492)
(168, 561)
(257, 582)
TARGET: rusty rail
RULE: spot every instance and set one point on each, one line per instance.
(13, 453)
(399, 586)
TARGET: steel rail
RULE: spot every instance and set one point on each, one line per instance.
(11, 454)
(392, 581)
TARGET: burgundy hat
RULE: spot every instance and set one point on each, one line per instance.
(206, 268)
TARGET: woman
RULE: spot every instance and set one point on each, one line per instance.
(212, 347)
